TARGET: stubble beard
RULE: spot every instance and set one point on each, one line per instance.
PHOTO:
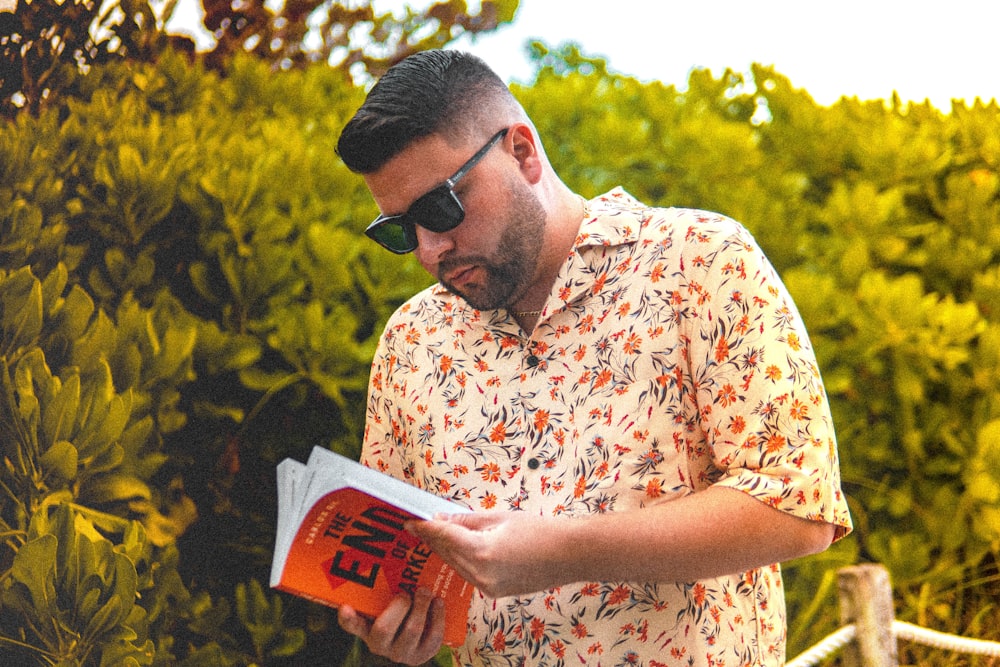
(512, 268)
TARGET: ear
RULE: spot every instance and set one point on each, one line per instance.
(527, 151)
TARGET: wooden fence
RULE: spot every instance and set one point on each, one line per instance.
(868, 637)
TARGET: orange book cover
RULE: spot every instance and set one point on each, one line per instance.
(340, 540)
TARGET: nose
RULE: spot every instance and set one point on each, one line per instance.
(432, 246)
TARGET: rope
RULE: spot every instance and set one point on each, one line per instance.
(935, 639)
(825, 648)
(901, 630)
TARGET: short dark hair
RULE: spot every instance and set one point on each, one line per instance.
(431, 92)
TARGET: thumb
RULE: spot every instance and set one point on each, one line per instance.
(477, 521)
(446, 523)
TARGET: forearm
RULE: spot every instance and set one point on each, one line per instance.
(711, 533)
(714, 532)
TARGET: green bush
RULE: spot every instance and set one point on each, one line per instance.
(884, 220)
(182, 306)
(185, 299)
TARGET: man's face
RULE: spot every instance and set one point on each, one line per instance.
(492, 257)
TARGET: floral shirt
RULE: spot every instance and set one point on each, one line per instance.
(669, 358)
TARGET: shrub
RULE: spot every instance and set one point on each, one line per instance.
(185, 300)
(183, 307)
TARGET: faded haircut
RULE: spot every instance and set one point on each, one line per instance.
(450, 93)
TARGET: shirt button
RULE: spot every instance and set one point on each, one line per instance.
(532, 360)
(533, 463)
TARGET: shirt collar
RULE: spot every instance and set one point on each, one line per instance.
(612, 219)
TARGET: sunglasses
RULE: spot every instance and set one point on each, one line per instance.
(438, 210)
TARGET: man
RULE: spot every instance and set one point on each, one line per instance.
(625, 394)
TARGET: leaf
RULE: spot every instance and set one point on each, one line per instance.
(103, 620)
(21, 310)
(261, 618)
(53, 287)
(116, 488)
(59, 412)
(290, 642)
(96, 341)
(174, 354)
(129, 160)
(124, 653)
(75, 554)
(60, 460)
(89, 601)
(19, 415)
(75, 313)
(105, 413)
(107, 460)
(90, 521)
(33, 384)
(34, 568)
(164, 529)
(982, 476)
(505, 9)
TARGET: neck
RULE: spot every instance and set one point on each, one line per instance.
(563, 226)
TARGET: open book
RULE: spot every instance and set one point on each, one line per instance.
(340, 539)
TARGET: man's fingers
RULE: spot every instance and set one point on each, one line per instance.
(476, 520)
(388, 630)
(418, 620)
(443, 524)
(425, 624)
(353, 623)
(434, 629)
(407, 631)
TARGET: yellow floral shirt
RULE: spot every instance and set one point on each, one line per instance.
(669, 358)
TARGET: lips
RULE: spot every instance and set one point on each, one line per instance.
(458, 276)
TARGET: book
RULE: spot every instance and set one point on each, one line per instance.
(340, 539)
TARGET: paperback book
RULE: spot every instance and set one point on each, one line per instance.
(340, 539)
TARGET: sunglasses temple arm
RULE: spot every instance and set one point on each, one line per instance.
(474, 160)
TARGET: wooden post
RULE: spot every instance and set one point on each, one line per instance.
(866, 601)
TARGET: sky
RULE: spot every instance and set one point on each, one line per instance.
(864, 48)
(857, 48)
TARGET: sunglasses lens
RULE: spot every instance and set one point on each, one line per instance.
(439, 210)
(394, 236)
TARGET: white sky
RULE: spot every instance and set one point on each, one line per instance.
(865, 48)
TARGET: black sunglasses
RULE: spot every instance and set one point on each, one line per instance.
(438, 210)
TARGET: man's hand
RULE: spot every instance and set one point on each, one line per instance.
(707, 534)
(408, 631)
(500, 553)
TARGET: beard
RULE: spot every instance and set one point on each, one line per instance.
(511, 269)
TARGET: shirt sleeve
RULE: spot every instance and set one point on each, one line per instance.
(383, 436)
(761, 399)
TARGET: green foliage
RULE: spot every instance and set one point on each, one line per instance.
(899, 216)
(46, 47)
(77, 591)
(72, 437)
(884, 220)
(200, 291)
(262, 617)
(185, 299)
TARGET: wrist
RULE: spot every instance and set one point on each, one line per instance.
(568, 549)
